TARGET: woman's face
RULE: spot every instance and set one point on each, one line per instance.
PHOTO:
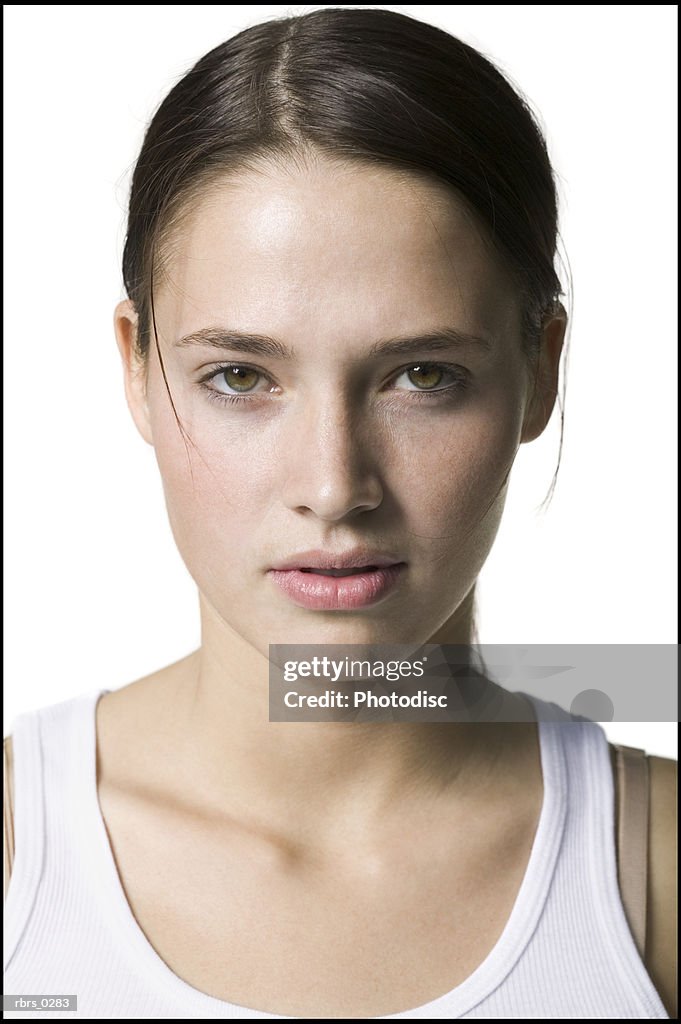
(326, 437)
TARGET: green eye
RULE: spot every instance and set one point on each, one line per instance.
(240, 378)
(234, 382)
(432, 378)
(425, 375)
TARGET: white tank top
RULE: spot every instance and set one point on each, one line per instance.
(566, 949)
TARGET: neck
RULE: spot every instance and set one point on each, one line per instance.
(298, 773)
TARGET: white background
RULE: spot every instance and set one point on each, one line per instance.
(96, 593)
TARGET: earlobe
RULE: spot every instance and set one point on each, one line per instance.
(545, 391)
(134, 367)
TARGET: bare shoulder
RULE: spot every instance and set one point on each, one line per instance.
(121, 717)
(8, 812)
(661, 953)
(135, 724)
(141, 699)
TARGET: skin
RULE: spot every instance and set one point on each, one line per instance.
(327, 258)
(329, 261)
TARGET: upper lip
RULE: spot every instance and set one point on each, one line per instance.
(352, 559)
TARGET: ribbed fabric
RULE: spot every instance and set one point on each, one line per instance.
(566, 950)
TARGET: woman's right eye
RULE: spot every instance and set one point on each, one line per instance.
(234, 382)
(239, 379)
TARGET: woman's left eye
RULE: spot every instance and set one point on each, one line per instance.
(432, 377)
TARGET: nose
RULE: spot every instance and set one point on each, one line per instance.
(330, 465)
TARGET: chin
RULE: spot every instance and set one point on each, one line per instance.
(351, 628)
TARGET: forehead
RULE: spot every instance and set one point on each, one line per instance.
(365, 249)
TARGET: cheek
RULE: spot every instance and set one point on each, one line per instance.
(213, 477)
(453, 466)
(214, 497)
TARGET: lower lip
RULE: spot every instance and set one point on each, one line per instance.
(332, 593)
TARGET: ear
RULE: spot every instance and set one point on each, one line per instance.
(543, 398)
(134, 367)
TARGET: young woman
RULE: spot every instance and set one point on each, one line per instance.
(343, 319)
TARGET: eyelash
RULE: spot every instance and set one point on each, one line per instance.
(461, 382)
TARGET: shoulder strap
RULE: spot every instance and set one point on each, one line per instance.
(632, 837)
(8, 810)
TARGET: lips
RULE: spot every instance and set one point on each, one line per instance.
(323, 580)
(340, 572)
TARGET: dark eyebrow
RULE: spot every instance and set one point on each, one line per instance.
(446, 338)
(262, 345)
(220, 337)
